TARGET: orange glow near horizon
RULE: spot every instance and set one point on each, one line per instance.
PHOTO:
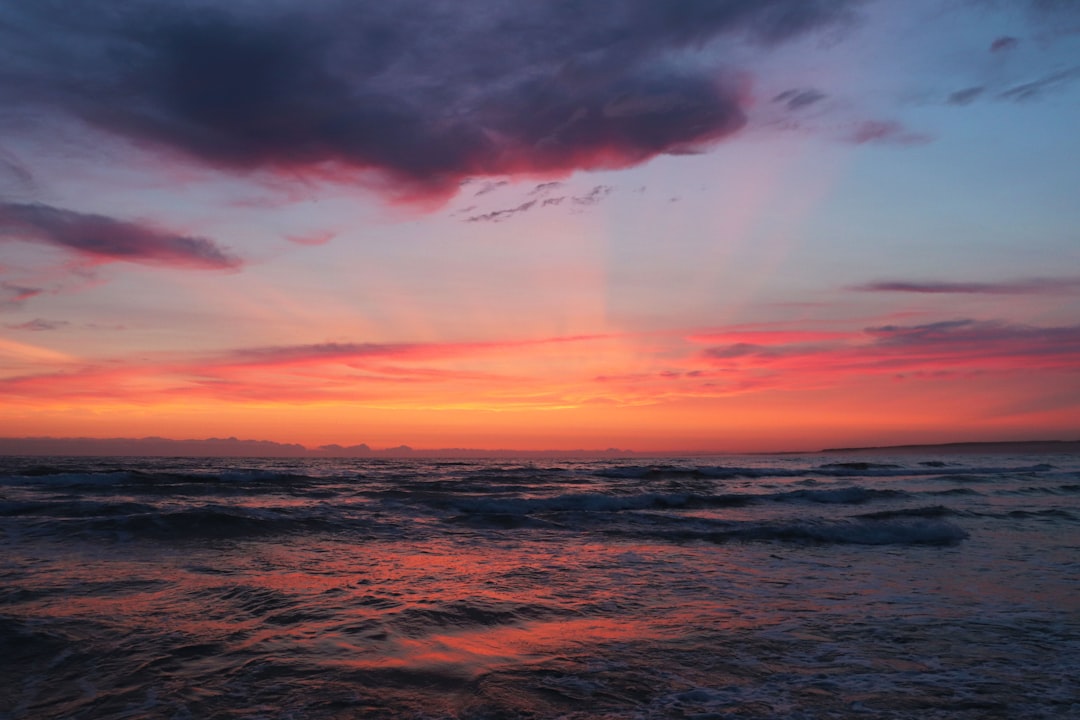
(713, 389)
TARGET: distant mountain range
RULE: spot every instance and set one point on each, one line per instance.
(233, 447)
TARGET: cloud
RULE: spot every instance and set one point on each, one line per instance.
(1039, 87)
(12, 294)
(418, 374)
(592, 197)
(986, 335)
(951, 347)
(422, 92)
(886, 132)
(312, 238)
(490, 186)
(1034, 286)
(39, 325)
(317, 353)
(500, 215)
(546, 187)
(1003, 43)
(966, 96)
(106, 239)
(14, 173)
(1022, 92)
(557, 372)
(797, 99)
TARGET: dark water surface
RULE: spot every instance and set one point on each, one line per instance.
(735, 587)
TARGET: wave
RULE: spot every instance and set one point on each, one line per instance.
(602, 503)
(71, 508)
(835, 469)
(462, 614)
(196, 523)
(930, 511)
(852, 495)
(674, 472)
(857, 531)
(595, 503)
(1050, 514)
(127, 478)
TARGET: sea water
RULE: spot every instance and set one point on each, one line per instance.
(817, 586)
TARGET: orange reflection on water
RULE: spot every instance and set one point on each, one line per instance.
(477, 650)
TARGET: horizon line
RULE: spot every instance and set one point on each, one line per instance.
(275, 448)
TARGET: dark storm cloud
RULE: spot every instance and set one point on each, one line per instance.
(1034, 286)
(107, 239)
(425, 92)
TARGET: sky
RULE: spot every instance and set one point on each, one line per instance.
(732, 225)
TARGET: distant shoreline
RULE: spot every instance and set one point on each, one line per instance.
(234, 448)
(986, 448)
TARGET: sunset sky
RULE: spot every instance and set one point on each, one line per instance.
(694, 225)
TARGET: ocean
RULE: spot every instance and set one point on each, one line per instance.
(786, 586)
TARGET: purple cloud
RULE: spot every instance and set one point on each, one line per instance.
(987, 334)
(424, 92)
(106, 239)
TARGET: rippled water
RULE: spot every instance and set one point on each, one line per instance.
(752, 587)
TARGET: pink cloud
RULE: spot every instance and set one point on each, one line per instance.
(314, 238)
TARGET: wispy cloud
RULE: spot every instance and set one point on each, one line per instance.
(105, 239)
(954, 346)
(1031, 286)
(796, 99)
(39, 325)
(402, 373)
(14, 173)
(1003, 44)
(885, 132)
(1018, 92)
(12, 294)
(559, 372)
(966, 96)
(312, 238)
(592, 197)
(1040, 86)
(500, 215)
